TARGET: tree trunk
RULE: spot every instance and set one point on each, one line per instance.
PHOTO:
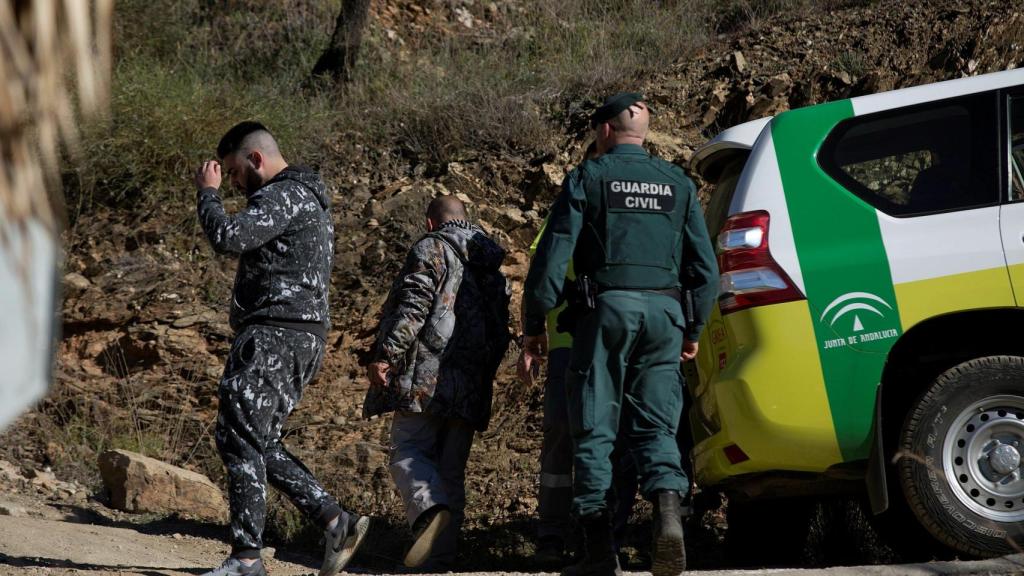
(340, 55)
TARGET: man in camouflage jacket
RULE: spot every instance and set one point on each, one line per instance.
(284, 240)
(442, 334)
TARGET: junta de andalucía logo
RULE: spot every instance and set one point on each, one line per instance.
(844, 316)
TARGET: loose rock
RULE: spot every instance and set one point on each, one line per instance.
(8, 509)
(138, 483)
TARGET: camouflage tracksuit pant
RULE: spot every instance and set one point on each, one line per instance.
(266, 371)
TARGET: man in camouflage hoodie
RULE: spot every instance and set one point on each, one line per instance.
(443, 332)
(284, 240)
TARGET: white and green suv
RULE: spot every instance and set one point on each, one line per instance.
(871, 318)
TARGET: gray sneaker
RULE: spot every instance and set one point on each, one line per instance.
(342, 542)
(235, 567)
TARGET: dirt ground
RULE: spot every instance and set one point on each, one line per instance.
(49, 546)
(48, 528)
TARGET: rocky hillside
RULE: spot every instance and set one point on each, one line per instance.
(145, 331)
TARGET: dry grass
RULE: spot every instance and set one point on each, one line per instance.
(187, 70)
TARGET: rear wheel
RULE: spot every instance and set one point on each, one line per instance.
(960, 462)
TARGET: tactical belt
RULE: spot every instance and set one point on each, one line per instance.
(685, 299)
(582, 293)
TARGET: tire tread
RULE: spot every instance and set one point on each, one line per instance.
(909, 469)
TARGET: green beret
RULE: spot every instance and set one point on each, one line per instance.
(614, 105)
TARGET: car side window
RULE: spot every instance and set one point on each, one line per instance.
(918, 160)
(1017, 148)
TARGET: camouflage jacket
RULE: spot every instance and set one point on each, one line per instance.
(432, 328)
(284, 239)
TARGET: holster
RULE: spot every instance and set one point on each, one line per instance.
(689, 312)
(580, 299)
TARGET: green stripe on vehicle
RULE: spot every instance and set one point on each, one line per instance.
(845, 271)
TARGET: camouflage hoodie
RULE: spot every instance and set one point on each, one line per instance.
(432, 330)
(284, 239)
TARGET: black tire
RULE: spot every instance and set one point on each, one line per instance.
(901, 532)
(956, 475)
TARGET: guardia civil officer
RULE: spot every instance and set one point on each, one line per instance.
(554, 497)
(631, 224)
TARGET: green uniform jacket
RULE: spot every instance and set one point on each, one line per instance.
(612, 214)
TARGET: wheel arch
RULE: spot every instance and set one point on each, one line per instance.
(920, 355)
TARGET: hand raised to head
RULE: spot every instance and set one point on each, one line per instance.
(208, 175)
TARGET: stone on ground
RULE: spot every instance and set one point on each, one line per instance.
(138, 483)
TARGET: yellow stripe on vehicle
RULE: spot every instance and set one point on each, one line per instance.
(924, 299)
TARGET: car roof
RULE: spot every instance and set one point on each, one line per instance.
(936, 91)
(742, 137)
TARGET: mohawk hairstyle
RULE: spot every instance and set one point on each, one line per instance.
(232, 140)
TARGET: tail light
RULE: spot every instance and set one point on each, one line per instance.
(749, 275)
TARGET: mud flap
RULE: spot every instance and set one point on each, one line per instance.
(878, 491)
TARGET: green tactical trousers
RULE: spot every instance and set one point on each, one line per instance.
(625, 369)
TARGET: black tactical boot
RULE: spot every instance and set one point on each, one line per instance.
(668, 552)
(599, 558)
(550, 553)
